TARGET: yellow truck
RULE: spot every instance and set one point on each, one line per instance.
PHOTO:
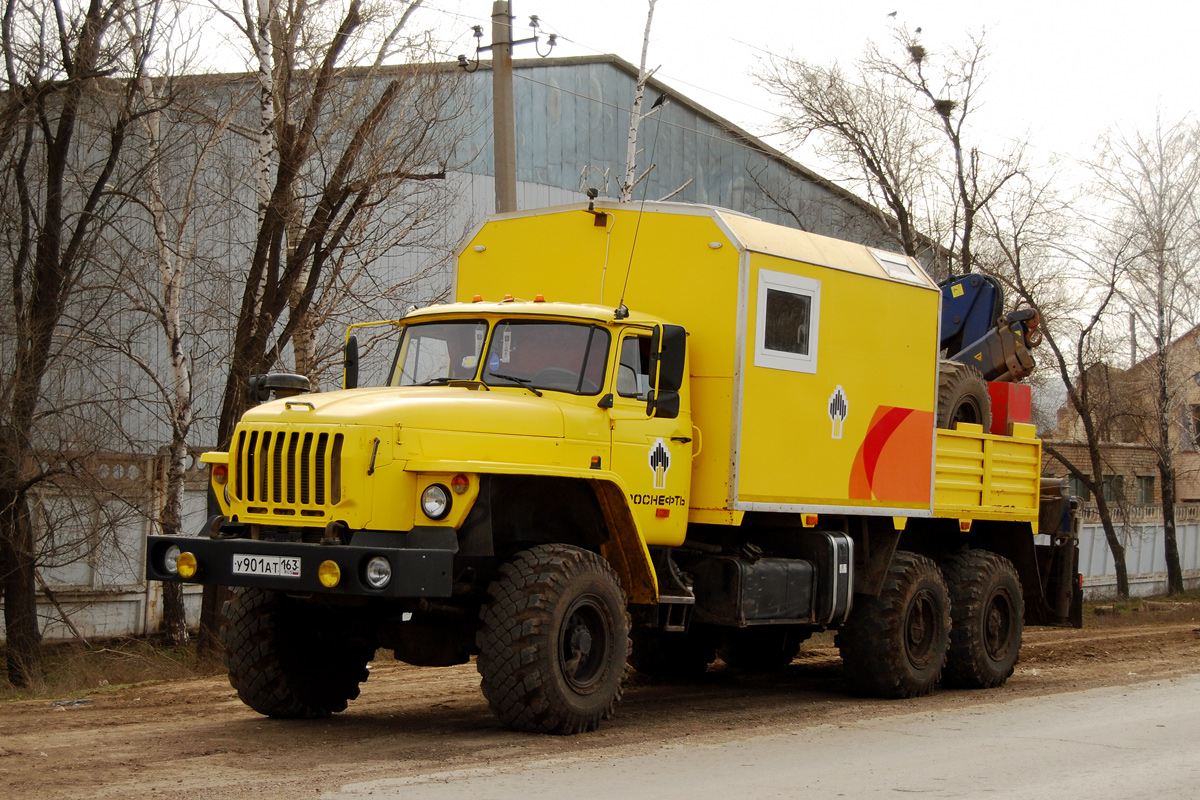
(647, 436)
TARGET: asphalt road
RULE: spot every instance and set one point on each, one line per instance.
(1136, 741)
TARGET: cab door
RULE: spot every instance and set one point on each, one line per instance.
(651, 445)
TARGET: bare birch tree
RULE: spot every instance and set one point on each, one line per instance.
(636, 116)
(181, 213)
(1023, 236)
(347, 153)
(1150, 182)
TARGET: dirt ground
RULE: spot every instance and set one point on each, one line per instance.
(194, 738)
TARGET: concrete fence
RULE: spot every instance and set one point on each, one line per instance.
(92, 547)
(1141, 533)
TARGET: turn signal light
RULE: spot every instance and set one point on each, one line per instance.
(329, 574)
(459, 484)
(220, 474)
(186, 565)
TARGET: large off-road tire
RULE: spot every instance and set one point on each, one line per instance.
(670, 655)
(761, 649)
(894, 644)
(987, 617)
(962, 396)
(291, 659)
(554, 641)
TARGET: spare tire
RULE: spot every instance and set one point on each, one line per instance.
(962, 396)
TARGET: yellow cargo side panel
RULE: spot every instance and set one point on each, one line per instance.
(853, 428)
(981, 476)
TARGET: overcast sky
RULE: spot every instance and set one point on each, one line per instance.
(1060, 72)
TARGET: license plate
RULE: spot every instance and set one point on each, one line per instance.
(275, 566)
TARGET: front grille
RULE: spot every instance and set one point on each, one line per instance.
(283, 472)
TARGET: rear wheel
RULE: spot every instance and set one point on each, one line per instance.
(962, 396)
(987, 619)
(291, 659)
(554, 641)
(894, 644)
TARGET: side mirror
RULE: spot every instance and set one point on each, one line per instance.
(350, 364)
(668, 354)
(663, 405)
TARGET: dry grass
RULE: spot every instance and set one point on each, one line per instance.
(1174, 608)
(73, 670)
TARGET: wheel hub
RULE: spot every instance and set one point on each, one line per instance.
(998, 626)
(919, 630)
(584, 643)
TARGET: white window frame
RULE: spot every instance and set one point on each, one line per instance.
(898, 266)
(792, 284)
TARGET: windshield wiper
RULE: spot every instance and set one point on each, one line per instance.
(524, 383)
(434, 382)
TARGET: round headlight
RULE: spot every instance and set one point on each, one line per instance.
(435, 501)
(379, 572)
(169, 557)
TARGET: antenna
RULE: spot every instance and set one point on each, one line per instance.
(622, 311)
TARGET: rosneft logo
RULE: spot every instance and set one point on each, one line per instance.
(660, 463)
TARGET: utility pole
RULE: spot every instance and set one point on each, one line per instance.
(503, 114)
(504, 139)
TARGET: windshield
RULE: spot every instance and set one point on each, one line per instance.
(437, 352)
(561, 356)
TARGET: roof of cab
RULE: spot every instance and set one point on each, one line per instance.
(531, 308)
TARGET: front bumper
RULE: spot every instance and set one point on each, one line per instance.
(425, 571)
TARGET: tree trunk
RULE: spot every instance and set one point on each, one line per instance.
(1110, 532)
(1171, 544)
(1114, 545)
(174, 615)
(23, 648)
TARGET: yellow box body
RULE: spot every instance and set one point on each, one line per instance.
(766, 437)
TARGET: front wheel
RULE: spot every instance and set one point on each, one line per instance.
(554, 641)
(894, 644)
(291, 659)
(987, 614)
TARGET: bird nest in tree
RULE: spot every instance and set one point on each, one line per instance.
(944, 107)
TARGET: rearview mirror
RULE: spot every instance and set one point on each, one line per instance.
(668, 355)
(350, 364)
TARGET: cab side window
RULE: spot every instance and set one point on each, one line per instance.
(633, 372)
